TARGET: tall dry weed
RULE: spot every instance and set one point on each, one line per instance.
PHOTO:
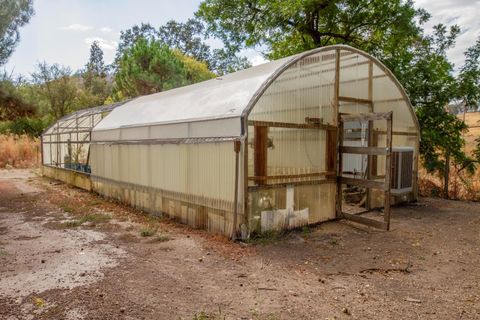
(462, 186)
(19, 151)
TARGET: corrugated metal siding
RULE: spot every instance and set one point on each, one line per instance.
(193, 183)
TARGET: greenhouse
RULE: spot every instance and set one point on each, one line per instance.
(325, 134)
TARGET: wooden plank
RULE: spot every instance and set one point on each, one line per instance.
(374, 159)
(293, 183)
(355, 100)
(364, 150)
(366, 221)
(370, 141)
(367, 116)
(363, 183)
(331, 150)
(395, 133)
(293, 176)
(388, 172)
(339, 192)
(398, 133)
(272, 124)
(260, 151)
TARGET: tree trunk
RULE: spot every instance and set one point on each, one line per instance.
(446, 174)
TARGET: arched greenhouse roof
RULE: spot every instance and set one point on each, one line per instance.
(215, 108)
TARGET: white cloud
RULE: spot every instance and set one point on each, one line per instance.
(105, 29)
(464, 13)
(77, 27)
(103, 43)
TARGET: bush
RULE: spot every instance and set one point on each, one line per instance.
(32, 127)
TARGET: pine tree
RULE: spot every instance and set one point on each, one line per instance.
(95, 77)
(96, 65)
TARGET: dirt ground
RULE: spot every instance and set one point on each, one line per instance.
(69, 254)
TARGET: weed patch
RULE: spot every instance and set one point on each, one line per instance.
(94, 218)
(160, 238)
(333, 242)
(266, 237)
(148, 231)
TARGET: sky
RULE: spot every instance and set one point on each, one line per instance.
(61, 31)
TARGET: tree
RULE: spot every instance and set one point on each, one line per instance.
(13, 15)
(95, 78)
(57, 87)
(129, 37)
(469, 79)
(12, 104)
(185, 37)
(429, 79)
(288, 27)
(188, 37)
(195, 71)
(95, 64)
(148, 67)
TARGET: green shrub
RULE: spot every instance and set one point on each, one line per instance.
(32, 127)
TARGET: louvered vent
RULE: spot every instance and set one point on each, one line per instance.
(402, 169)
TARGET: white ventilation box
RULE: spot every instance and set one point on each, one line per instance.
(402, 169)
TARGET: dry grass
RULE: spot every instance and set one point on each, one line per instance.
(462, 186)
(19, 151)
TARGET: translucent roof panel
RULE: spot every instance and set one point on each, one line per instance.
(215, 108)
(220, 98)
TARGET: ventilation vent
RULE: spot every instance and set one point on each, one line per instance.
(402, 169)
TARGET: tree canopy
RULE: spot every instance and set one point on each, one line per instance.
(55, 85)
(469, 78)
(288, 27)
(13, 15)
(150, 66)
(12, 105)
(188, 38)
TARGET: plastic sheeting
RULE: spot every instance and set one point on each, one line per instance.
(208, 109)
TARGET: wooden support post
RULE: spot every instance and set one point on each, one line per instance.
(340, 171)
(368, 202)
(331, 150)
(260, 152)
(338, 156)
(388, 172)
